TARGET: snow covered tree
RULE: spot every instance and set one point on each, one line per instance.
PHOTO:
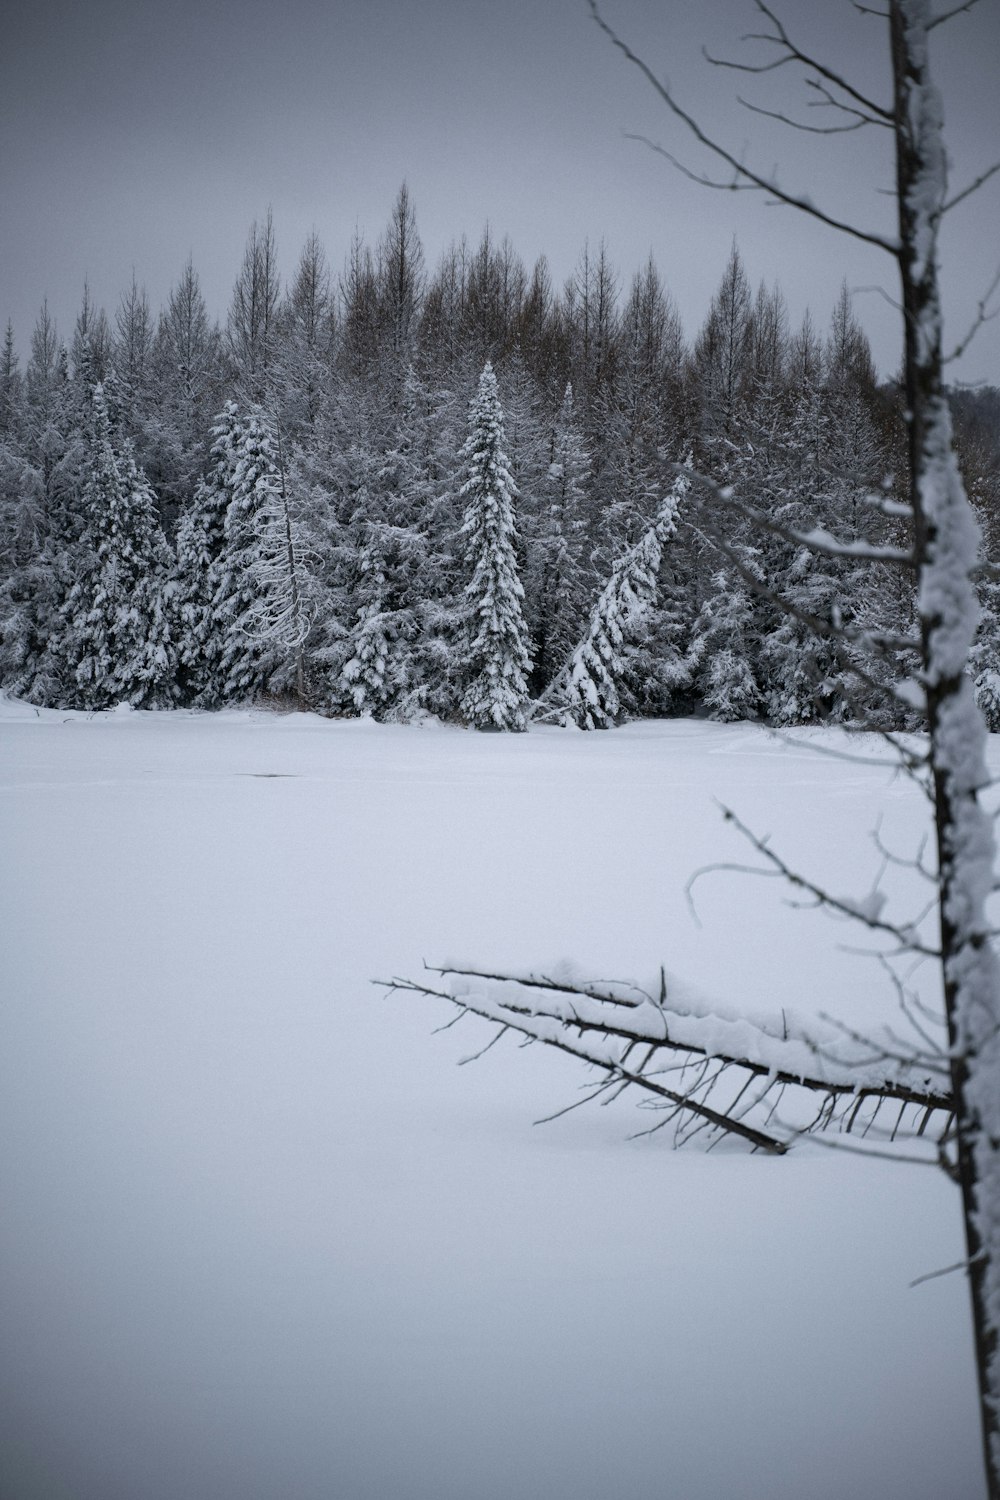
(723, 351)
(943, 553)
(201, 543)
(11, 384)
(587, 687)
(131, 348)
(253, 312)
(114, 633)
(249, 652)
(279, 616)
(560, 580)
(186, 388)
(723, 650)
(421, 548)
(497, 654)
(367, 676)
(400, 281)
(305, 354)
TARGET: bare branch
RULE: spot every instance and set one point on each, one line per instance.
(771, 114)
(791, 53)
(982, 316)
(751, 177)
(959, 1265)
(949, 15)
(906, 937)
(973, 187)
(827, 100)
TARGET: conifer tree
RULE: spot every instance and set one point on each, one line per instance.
(305, 352)
(201, 543)
(114, 633)
(497, 649)
(560, 585)
(279, 616)
(367, 677)
(725, 646)
(588, 685)
(247, 653)
(11, 385)
(253, 312)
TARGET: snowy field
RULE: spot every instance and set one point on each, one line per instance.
(262, 1239)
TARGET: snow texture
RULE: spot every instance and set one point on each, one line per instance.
(262, 1237)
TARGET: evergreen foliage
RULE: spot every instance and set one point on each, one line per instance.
(352, 544)
(497, 655)
(201, 543)
(112, 640)
(593, 674)
(241, 603)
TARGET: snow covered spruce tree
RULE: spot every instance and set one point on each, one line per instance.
(258, 603)
(279, 615)
(627, 1035)
(113, 635)
(201, 542)
(497, 653)
(587, 687)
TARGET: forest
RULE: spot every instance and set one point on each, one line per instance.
(466, 492)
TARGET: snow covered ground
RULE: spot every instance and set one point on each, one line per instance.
(261, 1239)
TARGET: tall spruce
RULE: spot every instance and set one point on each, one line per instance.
(201, 544)
(248, 654)
(113, 638)
(497, 649)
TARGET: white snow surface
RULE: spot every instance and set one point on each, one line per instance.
(261, 1238)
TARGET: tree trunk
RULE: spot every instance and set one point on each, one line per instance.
(946, 540)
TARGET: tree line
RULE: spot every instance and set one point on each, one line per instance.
(465, 492)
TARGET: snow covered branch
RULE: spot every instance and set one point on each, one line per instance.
(705, 1070)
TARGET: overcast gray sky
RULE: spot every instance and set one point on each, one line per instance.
(134, 133)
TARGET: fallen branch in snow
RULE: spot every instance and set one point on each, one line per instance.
(727, 1076)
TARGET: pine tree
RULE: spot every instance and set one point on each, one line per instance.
(114, 633)
(497, 651)
(722, 352)
(588, 685)
(253, 312)
(279, 616)
(247, 652)
(201, 543)
(305, 353)
(366, 675)
(11, 386)
(424, 569)
(724, 648)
